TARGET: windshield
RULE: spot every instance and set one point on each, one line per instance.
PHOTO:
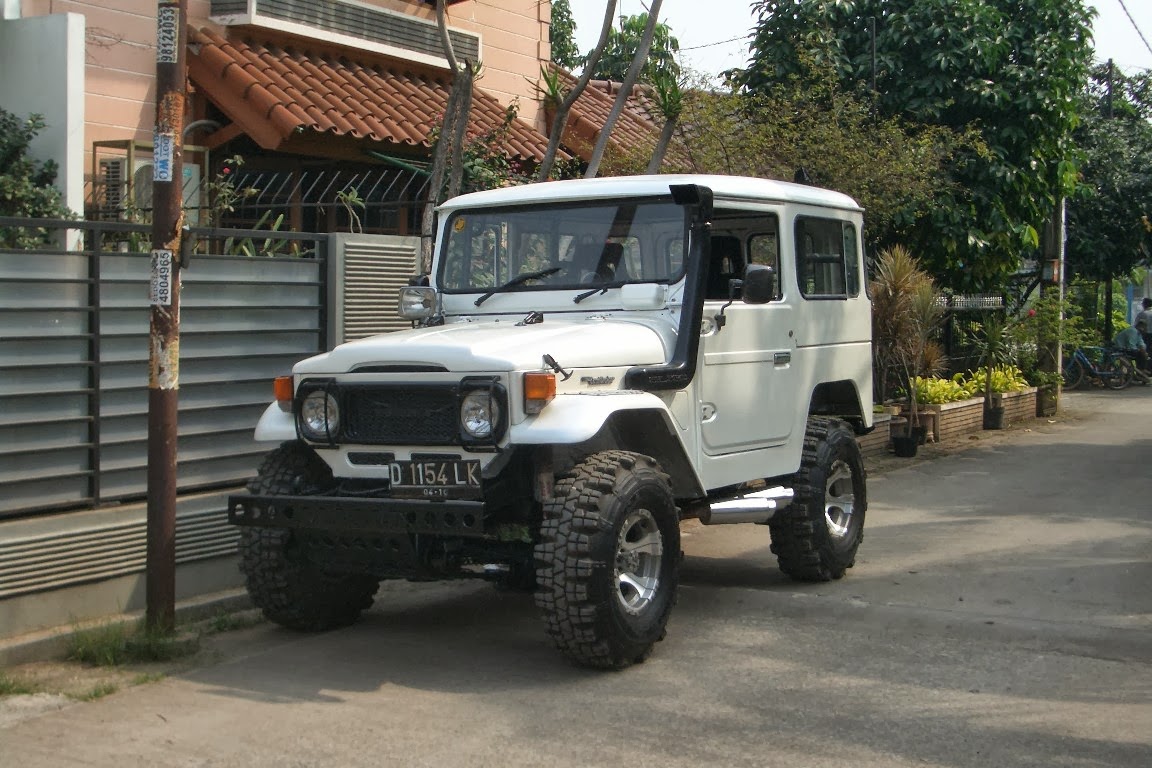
(566, 246)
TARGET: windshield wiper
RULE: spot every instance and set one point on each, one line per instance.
(599, 289)
(517, 281)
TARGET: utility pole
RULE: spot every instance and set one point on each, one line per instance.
(164, 301)
(1108, 298)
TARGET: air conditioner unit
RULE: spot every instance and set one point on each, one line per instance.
(119, 189)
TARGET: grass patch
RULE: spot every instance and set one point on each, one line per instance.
(225, 621)
(148, 677)
(104, 645)
(10, 686)
(96, 692)
(112, 645)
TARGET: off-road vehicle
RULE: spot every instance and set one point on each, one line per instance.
(591, 363)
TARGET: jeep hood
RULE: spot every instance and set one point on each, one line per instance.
(502, 345)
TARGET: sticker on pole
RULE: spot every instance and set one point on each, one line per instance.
(167, 33)
(160, 294)
(162, 150)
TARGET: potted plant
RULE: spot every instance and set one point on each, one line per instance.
(906, 309)
(1047, 385)
(995, 350)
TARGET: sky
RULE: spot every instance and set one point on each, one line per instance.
(706, 30)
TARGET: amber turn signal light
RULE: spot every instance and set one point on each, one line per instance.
(539, 389)
(282, 388)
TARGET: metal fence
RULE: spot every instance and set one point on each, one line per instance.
(74, 336)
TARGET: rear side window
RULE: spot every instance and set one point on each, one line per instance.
(827, 260)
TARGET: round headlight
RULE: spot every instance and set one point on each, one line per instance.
(479, 414)
(319, 416)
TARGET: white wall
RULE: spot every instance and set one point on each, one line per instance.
(42, 72)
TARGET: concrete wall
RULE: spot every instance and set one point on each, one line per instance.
(42, 72)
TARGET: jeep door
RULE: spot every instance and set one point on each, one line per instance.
(746, 381)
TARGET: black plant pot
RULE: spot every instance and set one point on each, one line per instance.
(905, 446)
(994, 418)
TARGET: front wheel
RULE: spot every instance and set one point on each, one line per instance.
(816, 537)
(607, 564)
(1074, 375)
(290, 589)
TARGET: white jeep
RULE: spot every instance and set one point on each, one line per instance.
(592, 363)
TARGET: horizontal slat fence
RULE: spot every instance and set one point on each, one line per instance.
(74, 340)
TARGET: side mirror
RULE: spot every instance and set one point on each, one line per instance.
(759, 285)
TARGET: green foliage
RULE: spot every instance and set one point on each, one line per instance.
(26, 185)
(104, 645)
(905, 311)
(623, 43)
(1005, 378)
(351, 200)
(562, 36)
(1110, 216)
(894, 169)
(98, 691)
(223, 193)
(933, 390)
(115, 644)
(1009, 69)
(11, 686)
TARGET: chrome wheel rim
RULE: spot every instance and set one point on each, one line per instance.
(839, 500)
(639, 554)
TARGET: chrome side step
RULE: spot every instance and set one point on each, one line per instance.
(758, 507)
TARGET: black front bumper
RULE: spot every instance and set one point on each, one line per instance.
(359, 515)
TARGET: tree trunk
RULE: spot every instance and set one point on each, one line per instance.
(561, 118)
(625, 89)
(662, 145)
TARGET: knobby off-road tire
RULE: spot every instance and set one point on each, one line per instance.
(816, 537)
(607, 564)
(291, 590)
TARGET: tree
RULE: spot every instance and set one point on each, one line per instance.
(892, 168)
(1009, 69)
(1110, 216)
(625, 41)
(26, 185)
(562, 36)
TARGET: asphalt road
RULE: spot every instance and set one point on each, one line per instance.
(1000, 614)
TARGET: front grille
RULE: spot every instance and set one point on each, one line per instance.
(403, 415)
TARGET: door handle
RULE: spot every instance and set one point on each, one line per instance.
(781, 358)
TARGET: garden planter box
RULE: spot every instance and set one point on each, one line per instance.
(1018, 406)
(952, 421)
(876, 442)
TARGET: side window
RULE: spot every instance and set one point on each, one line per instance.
(827, 261)
(765, 249)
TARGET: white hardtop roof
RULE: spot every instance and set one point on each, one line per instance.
(723, 188)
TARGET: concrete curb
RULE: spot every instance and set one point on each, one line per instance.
(53, 643)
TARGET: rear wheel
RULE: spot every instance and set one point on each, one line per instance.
(283, 582)
(817, 536)
(608, 559)
(1119, 375)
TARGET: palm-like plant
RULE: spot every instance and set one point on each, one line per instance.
(906, 309)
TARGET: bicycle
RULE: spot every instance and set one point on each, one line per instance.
(1104, 366)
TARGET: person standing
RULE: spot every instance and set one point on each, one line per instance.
(1145, 316)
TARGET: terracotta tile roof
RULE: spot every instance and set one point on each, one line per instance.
(634, 129)
(275, 92)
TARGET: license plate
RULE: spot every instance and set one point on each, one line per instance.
(435, 475)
